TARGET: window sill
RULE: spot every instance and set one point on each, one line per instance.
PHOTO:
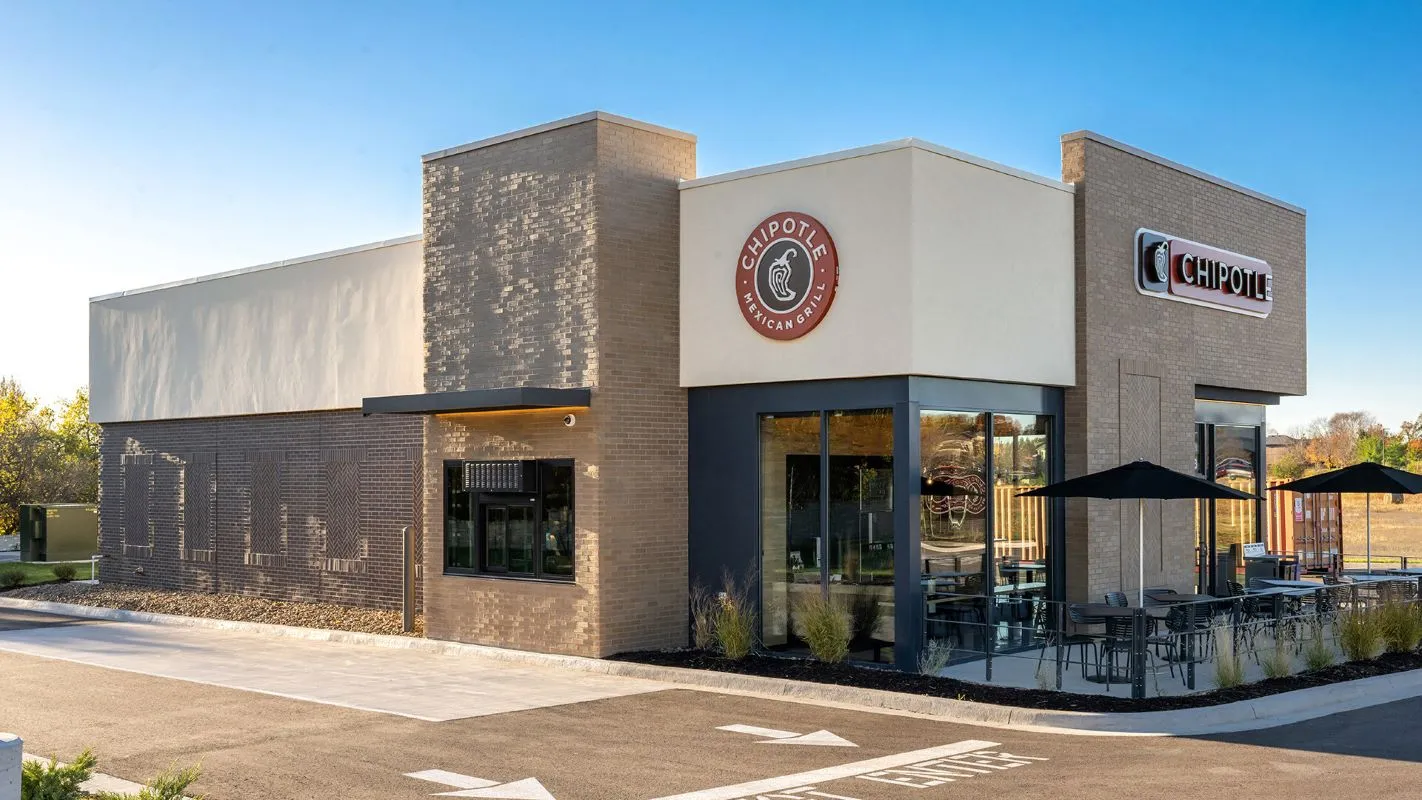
(460, 573)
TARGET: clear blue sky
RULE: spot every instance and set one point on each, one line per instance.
(144, 142)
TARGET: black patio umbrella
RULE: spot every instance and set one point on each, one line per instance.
(1140, 481)
(1364, 478)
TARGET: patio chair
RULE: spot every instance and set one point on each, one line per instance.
(1117, 599)
(1119, 634)
(1080, 641)
(1186, 637)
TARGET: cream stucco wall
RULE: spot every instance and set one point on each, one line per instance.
(308, 334)
(864, 203)
(993, 275)
(949, 267)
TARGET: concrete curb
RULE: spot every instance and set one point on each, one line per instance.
(1264, 712)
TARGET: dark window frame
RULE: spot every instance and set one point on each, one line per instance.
(479, 501)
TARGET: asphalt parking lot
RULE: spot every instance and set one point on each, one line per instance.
(659, 743)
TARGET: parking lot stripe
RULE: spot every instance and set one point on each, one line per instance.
(832, 773)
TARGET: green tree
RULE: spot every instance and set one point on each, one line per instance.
(46, 454)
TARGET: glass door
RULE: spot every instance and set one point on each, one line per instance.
(1229, 455)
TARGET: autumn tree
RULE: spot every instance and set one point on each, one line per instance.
(47, 454)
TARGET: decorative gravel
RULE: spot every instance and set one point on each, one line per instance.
(329, 616)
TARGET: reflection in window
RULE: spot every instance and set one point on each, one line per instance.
(953, 511)
(1235, 466)
(1020, 462)
(861, 527)
(790, 518)
(556, 479)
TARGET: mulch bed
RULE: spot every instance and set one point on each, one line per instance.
(801, 669)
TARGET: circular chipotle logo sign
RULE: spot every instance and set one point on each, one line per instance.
(786, 275)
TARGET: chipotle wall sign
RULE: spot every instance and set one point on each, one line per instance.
(786, 275)
(1179, 269)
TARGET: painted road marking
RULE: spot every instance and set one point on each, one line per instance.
(821, 738)
(805, 781)
(470, 786)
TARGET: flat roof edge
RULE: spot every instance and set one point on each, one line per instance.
(875, 149)
(565, 122)
(345, 251)
(1175, 165)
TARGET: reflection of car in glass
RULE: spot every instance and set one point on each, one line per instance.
(1234, 468)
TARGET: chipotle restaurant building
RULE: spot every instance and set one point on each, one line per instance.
(595, 380)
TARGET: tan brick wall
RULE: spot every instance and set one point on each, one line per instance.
(1140, 358)
(551, 260)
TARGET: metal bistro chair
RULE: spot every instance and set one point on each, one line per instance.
(1070, 640)
(1182, 633)
(1119, 636)
(1117, 599)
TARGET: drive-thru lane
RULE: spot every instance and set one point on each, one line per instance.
(654, 744)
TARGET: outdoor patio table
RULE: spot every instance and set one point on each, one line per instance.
(1180, 598)
(1411, 572)
(1280, 583)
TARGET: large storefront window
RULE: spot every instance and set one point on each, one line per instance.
(977, 537)
(509, 518)
(844, 547)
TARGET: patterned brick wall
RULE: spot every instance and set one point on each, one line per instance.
(245, 505)
(551, 260)
(1139, 358)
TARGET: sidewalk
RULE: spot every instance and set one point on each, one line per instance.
(428, 686)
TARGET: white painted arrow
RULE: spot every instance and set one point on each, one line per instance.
(470, 786)
(821, 738)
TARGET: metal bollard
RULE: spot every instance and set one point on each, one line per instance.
(12, 757)
(407, 595)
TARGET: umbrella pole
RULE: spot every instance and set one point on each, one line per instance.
(1140, 554)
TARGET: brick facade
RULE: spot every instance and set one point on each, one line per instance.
(289, 507)
(1140, 359)
(551, 260)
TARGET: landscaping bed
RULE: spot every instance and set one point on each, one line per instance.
(803, 669)
(328, 616)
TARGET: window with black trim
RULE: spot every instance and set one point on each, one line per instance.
(512, 518)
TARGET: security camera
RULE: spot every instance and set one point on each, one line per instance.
(570, 420)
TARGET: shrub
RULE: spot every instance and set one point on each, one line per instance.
(1318, 653)
(1360, 634)
(824, 627)
(865, 614)
(934, 656)
(703, 617)
(50, 780)
(169, 785)
(1279, 663)
(1229, 670)
(734, 622)
(1401, 625)
(64, 572)
(12, 578)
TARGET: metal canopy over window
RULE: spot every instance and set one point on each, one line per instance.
(476, 400)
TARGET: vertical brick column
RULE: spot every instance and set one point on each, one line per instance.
(551, 260)
(1140, 358)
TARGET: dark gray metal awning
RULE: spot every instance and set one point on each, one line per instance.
(475, 400)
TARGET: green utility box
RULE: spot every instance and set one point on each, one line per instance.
(58, 531)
